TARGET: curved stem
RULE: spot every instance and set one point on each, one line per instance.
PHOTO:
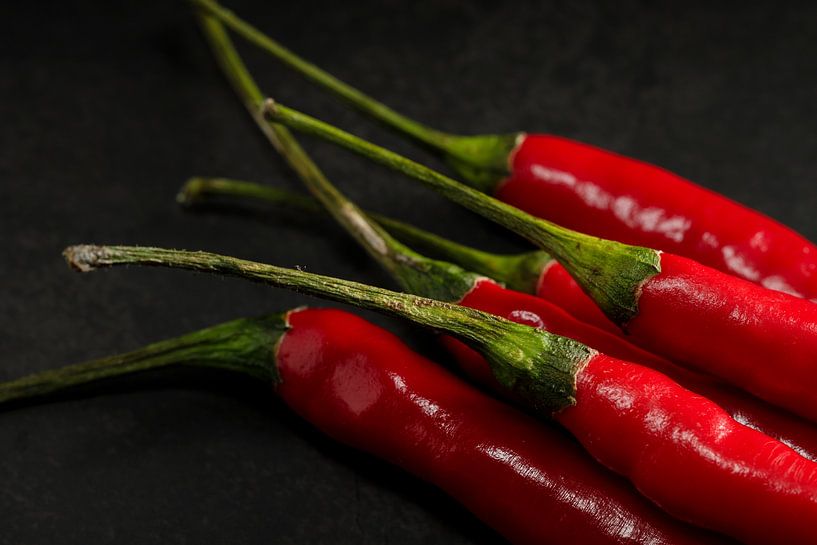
(520, 272)
(414, 272)
(610, 272)
(246, 346)
(482, 160)
(468, 323)
(540, 367)
(534, 229)
(200, 188)
(370, 106)
(278, 135)
(236, 72)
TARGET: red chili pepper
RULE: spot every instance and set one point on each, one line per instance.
(680, 449)
(361, 385)
(522, 308)
(366, 388)
(543, 370)
(672, 458)
(592, 190)
(628, 269)
(766, 340)
(446, 282)
(608, 195)
(609, 386)
(772, 336)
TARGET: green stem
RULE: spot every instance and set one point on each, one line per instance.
(520, 272)
(199, 189)
(236, 72)
(540, 367)
(414, 272)
(360, 100)
(610, 272)
(245, 346)
(482, 159)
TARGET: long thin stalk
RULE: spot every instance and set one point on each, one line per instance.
(536, 230)
(414, 272)
(520, 272)
(246, 346)
(466, 323)
(540, 367)
(319, 76)
(278, 135)
(482, 160)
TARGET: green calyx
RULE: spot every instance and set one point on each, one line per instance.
(540, 367)
(246, 346)
(522, 272)
(610, 272)
(482, 161)
(430, 278)
(540, 370)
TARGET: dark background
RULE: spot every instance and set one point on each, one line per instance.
(106, 108)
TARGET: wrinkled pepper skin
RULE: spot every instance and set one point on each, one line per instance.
(615, 197)
(690, 457)
(763, 341)
(364, 387)
(799, 434)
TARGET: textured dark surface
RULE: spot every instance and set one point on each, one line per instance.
(105, 109)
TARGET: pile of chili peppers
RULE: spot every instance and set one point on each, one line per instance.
(680, 351)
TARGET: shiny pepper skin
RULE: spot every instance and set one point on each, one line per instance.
(690, 457)
(608, 195)
(364, 387)
(788, 428)
(760, 340)
(680, 449)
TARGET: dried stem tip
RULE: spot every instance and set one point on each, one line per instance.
(269, 109)
(86, 257)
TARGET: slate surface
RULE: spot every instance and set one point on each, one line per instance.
(105, 109)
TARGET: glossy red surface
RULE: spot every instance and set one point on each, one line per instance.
(364, 387)
(536, 312)
(690, 457)
(763, 341)
(792, 430)
(604, 194)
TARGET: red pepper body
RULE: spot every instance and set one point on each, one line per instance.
(604, 194)
(364, 387)
(557, 286)
(690, 457)
(527, 309)
(761, 340)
